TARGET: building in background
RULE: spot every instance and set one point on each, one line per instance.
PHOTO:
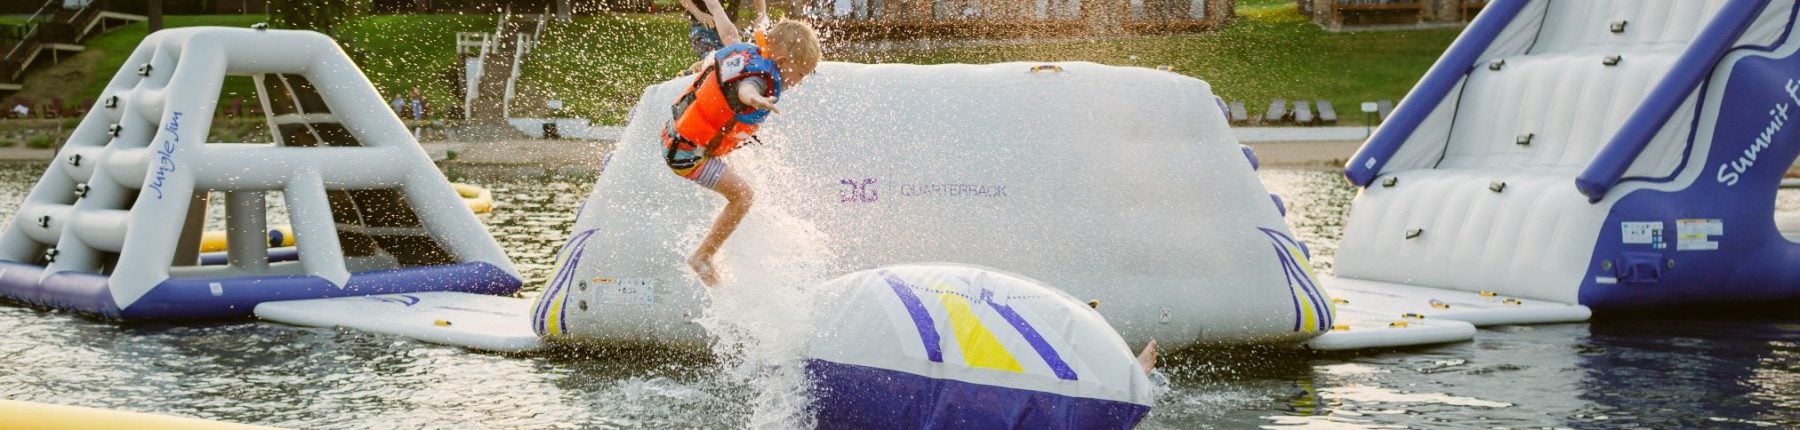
(1337, 15)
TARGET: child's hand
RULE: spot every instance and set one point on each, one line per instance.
(760, 102)
(748, 95)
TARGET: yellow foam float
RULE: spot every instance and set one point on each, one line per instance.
(478, 199)
(34, 416)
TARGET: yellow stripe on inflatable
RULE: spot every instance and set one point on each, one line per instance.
(16, 415)
(980, 348)
(553, 321)
(1310, 320)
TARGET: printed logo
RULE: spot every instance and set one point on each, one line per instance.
(403, 300)
(953, 190)
(862, 191)
(1730, 170)
(165, 155)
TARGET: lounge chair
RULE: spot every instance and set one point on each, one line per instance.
(1239, 115)
(1327, 114)
(1382, 110)
(1303, 113)
(1277, 112)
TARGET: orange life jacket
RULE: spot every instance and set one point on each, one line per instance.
(703, 117)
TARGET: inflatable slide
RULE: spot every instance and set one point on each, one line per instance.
(1619, 156)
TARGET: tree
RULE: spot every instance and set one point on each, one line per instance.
(318, 15)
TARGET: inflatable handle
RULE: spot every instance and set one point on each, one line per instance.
(1280, 206)
(1052, 68)
(1250, 154)
(1437, 84)
(1695, 65)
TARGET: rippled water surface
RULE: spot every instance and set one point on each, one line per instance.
(1608, 374)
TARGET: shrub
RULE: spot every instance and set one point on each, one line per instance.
(40, 141)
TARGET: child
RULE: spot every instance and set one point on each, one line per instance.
(703, 33)
(735, 89)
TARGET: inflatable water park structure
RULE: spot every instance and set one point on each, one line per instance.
(1620, 155)
(1562, 157)
(114, 226)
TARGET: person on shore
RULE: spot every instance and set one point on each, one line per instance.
(735, 89)
(418, 105)
(703, 30)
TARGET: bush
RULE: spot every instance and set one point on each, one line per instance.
(40, 141)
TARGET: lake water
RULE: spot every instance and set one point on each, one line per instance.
(1711, 373)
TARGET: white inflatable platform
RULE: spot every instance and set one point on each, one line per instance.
(1120, 185)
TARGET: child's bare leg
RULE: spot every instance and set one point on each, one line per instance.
(738, 197)
(1147, 358)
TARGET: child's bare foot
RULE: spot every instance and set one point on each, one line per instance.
(704, 268)
(1147, 359)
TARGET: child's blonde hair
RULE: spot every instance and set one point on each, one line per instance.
(799, 41)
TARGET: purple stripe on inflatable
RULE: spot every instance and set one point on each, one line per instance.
(1287, 272)
(1032, 337)
(928, 334)
(847, 396)
(1297, 277)
(564, 275)
(215, 298)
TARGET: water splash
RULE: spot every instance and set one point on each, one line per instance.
(761, 316)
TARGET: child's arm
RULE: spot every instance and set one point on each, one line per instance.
(705, 19)
(728, 32)
(749, 95)
(762, 16)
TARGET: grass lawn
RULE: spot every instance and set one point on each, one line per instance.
(115, 47)
(599, 65)
(399, 52)
(396, 52)
(1270, 51)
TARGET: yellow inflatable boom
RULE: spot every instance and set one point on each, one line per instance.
(479, 200)
(35, 416)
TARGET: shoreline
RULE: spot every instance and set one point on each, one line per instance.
(1313, 155)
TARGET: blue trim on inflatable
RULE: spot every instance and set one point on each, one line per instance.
(848, 396)
(1690, 70)
(934, 348)
(565, 275)
(1752, 263)
(197, 298)
(276, 255)
(1687, 152)
(1431, 91)
(1031, 335)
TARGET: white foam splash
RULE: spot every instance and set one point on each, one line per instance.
(761, 314)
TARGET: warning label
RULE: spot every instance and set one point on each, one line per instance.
(625, 291)
(1698, 234)
(1643, 233)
